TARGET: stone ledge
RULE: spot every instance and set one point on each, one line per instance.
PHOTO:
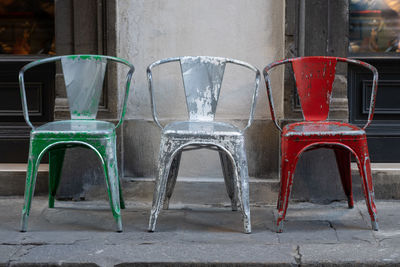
(203, 190)
(386, 178)
(12, 179)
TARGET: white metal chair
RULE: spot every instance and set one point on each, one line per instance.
(202, 78)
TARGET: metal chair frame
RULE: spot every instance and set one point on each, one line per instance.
(314, 78)
(202, 78)
(82, 130)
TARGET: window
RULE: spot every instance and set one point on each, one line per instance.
(374, 26)
(27, 27)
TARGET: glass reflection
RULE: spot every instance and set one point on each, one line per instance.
(374, 26)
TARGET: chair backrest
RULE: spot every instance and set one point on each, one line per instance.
(84, 77)
(202, 78)
(314, 79)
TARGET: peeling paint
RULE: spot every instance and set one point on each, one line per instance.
(314, 77)
(323, 128)
(84, 76)
(202, 78)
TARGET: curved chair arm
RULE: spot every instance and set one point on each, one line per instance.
(227, 60)
(374, 86)
(268, 86)
(256, 86)
(22, 84)
(340, 59)
(53, 59)
(127, 86)
(150, 82)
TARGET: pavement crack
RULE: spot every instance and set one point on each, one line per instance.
(334, 229)
(11, 260)
(384, 239)
(365, 220)
(37, 244)
(34, 244)
(297, 255)
(26, 252)
(146, 243)
(377, 240)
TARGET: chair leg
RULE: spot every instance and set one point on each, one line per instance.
(173, 175)
(343, 160)
(31, 174)
(110, 166)
(167, 149)
(56, 159)
(288, 167)
(364, 166)
(242, 182)
(227, 170)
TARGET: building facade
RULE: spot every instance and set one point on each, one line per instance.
(255, 31)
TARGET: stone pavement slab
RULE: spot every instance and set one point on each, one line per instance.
(82, 233)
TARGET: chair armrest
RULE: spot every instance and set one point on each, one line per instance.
(150, 82)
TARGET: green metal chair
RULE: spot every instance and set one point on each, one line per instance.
(84, 76)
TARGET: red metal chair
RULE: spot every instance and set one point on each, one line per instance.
(314, 78)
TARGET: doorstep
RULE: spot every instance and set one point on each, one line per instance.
(202, 190)
(386, 178)
(13, 175)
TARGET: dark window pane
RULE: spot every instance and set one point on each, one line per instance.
(27, 27)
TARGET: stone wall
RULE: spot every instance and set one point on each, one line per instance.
(248, 30)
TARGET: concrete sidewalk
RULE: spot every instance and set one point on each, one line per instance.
(82, 233)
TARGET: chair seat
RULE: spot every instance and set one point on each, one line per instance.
(321, 128)
(75, 127)
(201, 128)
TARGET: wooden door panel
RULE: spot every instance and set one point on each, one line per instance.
(14, 133)
(384, 132)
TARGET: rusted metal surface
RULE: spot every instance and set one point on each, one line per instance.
(83, 75)
(319, 59)
(314, 78)
(202, 77)
(322, 128)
